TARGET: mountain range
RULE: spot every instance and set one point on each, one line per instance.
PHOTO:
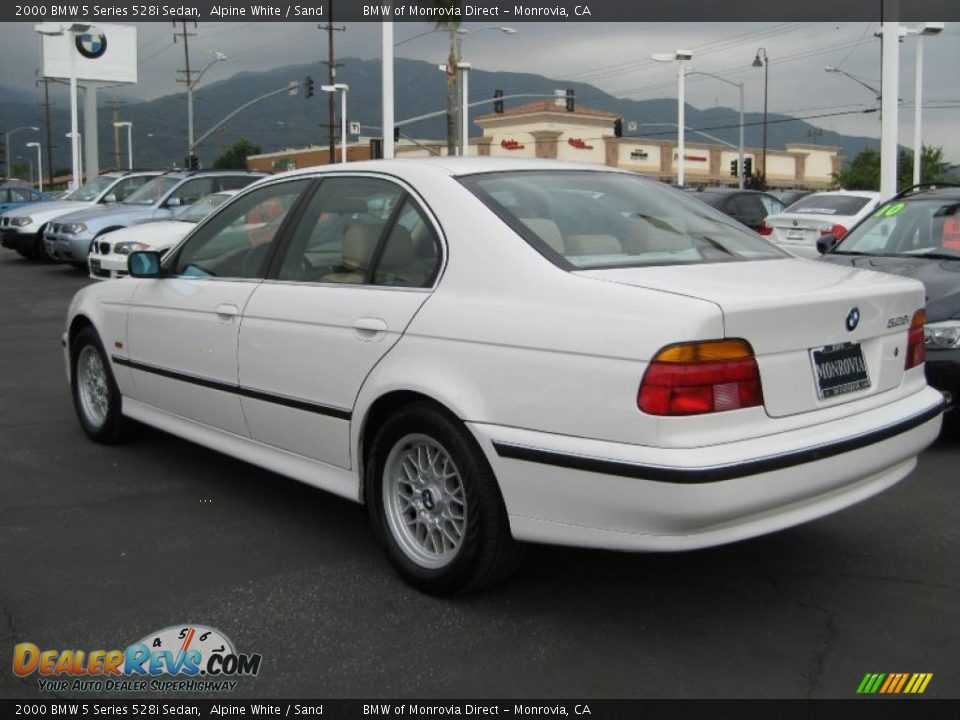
(159, 125)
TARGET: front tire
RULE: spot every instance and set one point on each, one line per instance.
(435, 505)
(96, 398)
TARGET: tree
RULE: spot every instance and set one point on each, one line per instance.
(453, 59)
(863, 173)
(235, 158)
(933, 168)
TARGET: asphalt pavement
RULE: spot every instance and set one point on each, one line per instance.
(99, 546)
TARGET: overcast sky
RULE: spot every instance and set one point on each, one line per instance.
(614, 57)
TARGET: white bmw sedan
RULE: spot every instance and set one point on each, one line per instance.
(485, 352)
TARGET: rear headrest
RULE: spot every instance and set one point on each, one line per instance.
(359, 242)
(595, 244)
(346, 205)
(399, 252)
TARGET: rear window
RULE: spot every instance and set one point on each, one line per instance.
(829, 205)
(911, 227)
(587, 220)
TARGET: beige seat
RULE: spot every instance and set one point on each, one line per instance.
(359, 242)
(399, 264)
(595, 244)
(649, 235)
(547, 231)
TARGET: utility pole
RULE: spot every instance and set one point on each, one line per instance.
(115, 104)
(332, 66)
(49, 131)
(188, 81)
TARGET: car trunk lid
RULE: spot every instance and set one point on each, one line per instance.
(786, 309)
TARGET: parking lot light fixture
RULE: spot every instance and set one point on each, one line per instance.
(6, 136)
(921, 31)
(39, 165)
(761, 60)
(129, 126)
(681, 57)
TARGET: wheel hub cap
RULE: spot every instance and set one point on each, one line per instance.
(424, 501)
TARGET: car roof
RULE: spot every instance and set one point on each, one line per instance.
(452, 166)
(848, 193)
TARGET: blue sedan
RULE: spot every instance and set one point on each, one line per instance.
(12, 196)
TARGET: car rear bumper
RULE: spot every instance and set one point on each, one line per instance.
(592, 493)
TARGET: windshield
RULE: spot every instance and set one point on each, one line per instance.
(152, 192)
(914, 227)
(829, 205)
(201, 208)
(585, 219)
(91, 190)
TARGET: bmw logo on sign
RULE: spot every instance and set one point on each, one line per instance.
(853, 319)
(92, 44)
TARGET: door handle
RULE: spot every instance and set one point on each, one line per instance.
(367, 328)
(227, 311)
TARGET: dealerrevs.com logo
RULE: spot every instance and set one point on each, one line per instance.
(188, 658)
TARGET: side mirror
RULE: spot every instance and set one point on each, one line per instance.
(111, 198)
(144, 264)
(173, 202)
(826, 243)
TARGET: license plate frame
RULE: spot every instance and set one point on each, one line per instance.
(848, 372)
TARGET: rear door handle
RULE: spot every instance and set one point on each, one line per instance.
(227, 312)
(367, 328)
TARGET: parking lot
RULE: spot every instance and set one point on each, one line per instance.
(99, 546)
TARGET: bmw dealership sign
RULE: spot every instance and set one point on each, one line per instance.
(105, 53)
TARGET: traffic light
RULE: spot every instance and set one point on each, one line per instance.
(396, 134)
(308, 87)
(733, 168)
(498, 104)
(618, 127)
(192, 162)
(748, 167)
(376, 149)
(570, 101)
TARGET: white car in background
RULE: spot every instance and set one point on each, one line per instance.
(799, 226)
(108, 253)
(453, 344)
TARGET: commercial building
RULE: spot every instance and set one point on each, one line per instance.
(546, 129)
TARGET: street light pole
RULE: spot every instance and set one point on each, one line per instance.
(386, 83)
(464, 70)
(765, 63)
(682, 57)
(220, 57)
(930, 28)
(739, 86)
(39, 165)
(129, 126)
(6, 136)
(342, 88)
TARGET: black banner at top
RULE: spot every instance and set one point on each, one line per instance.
(495, 11)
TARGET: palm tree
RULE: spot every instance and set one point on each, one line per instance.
(453, 59)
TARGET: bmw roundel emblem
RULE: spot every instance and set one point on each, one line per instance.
(853, 319)
(92, 44)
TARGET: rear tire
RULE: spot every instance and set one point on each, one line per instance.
(435, 505)
(96, 398)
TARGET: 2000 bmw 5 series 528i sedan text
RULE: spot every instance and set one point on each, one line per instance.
(486, 351)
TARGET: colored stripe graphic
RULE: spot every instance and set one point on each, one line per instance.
(894, 683)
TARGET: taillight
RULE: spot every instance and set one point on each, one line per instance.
(764, 229)
(916, 350)
(838, 231)
(702, 377)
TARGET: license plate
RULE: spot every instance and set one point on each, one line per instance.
(795, 234)
(839, 369)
